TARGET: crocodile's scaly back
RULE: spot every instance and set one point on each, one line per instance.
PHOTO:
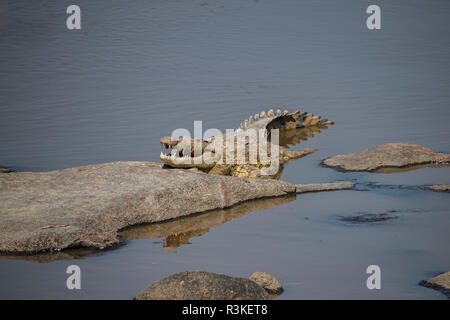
(283, 120)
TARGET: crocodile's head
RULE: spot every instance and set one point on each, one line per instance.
(181, 153)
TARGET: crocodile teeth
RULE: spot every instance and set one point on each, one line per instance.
(164, 156)
(241, 126)
(314, 120)
(256, 116)
(308, 119)
(270, 113)
(245, 123)
(262, 114)
(278, 112)
(250, 119)
(285, 112)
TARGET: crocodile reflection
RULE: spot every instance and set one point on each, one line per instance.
(178, 232)
(292, 137)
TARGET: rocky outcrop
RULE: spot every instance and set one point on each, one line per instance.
(268, 282)
(391, 155)
(201, 285)
(440, 282)
(317, 187)
(86, 206)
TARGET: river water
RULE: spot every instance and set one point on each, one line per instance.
(136, 71)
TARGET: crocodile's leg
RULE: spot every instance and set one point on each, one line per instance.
(221, 169)
(289, 155)
(252, 171)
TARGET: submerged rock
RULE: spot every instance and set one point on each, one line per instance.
(391, 155)
(369, 217)
(439, 187)
(332, 186)
(440, 282)
(86, 206)
(268, 282)
(201, 285)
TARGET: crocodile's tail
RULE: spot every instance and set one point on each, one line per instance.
(284, 120)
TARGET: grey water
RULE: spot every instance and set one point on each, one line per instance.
(138, 70)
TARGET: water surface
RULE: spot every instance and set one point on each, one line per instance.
(137, 71)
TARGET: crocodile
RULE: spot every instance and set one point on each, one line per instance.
(224, 155)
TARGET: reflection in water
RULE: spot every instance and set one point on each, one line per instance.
(179, 231)
(176, 232)
(410, 168)
(292, 137)
(45, 257)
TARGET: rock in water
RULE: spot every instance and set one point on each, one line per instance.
(391, 155)
(439, 187)
(441, 282)
(201, 285)
(86, 206)
(317, 187)
(268, 282)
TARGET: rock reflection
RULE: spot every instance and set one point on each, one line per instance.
(410, 168)
(46, 257)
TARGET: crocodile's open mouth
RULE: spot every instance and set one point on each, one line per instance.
(180, 153)
(172, 154)
(169, 151)
(177, 153)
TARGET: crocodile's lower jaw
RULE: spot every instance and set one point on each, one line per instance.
(176, 162)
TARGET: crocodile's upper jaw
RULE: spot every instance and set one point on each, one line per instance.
(180, 153)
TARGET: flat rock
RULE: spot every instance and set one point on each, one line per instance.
(86, 206)
(268, 282)
(439, 187)
(391, 155)
(332, 186)
(201, 285)
(441, 282)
